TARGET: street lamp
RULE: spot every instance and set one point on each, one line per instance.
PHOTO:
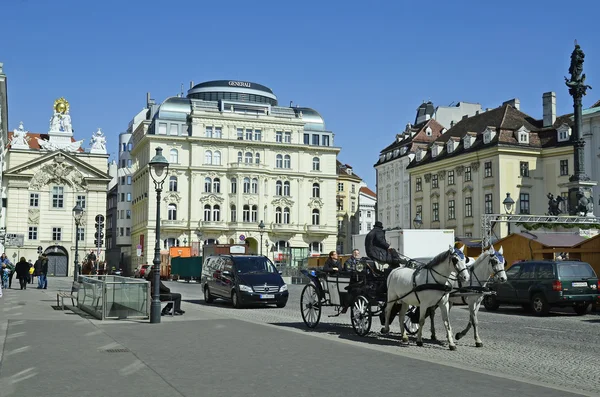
(418, 222)
(508, 207)
(261, 230)
(158, 166)
(77, 215)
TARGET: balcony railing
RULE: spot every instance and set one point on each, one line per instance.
(173, 223)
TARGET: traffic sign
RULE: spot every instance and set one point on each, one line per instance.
(99, 233)
(100, 218)
(242, 237)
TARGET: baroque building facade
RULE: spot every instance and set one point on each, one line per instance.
(347, 202)
(46, 176)
(236, 159)
(470, 169)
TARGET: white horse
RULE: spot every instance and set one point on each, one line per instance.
(425, 286)
(490, 264)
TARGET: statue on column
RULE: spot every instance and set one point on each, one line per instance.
(577, 80)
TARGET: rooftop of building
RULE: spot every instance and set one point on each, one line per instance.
(33, 142)
(365, 190)
(346, 171)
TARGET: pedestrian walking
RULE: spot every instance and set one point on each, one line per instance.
(4, 274)
(31, 270)
(22, 270)
(43, 277)
(37, 269)
(11, 268)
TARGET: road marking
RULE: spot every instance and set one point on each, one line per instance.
(19, 350)
(132, 368)
(15, 335)
(546, 329)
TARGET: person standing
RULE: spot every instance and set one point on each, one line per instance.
(4, 272)
(37, 269)
(22, 270)
(30, 272)
(11, 268)
(42, 278)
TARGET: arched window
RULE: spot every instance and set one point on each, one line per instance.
(207, 185)
(287, 161)
(209, 241)
(217, 158)
(207, 212)
(216, 213)
(239, 157)
(286, 188)
(257, 158)
(234, 185)
(248, 158)
(233, 213)
(174, 156)
(316, 247)
(172, 212)
(254, 213)
(279, 161)
(315, 217)
(254, 186)
(246, 213)
(316, 164)
(286, 215)
(216, 185)
(246, 185)
(316, 190)
(278, 215)
(208, 157)
(173, 184)
(171, 242)
(278, 188)
(281, 245)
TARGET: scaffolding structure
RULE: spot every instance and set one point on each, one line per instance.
(487, 221)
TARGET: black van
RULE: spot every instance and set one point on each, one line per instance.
(244, 279)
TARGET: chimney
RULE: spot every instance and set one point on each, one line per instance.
(191, 84)
(549, 106)
(515, 103)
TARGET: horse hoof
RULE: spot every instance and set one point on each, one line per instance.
(452, 347)
(478, 344)
(419, 343)
(384, 331)
(404, 340)
(457, 336)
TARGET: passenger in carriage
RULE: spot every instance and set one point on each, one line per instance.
(333, 263)
(350, 264)
(380, 251)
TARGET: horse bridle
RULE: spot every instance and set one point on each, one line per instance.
(494, 271)
(454, 263)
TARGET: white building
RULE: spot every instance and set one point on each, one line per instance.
(236, 158)
(46, 176)
(591, 135)
(3, 142)
(367, 201)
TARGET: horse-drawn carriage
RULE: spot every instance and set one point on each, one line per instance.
(363, 291)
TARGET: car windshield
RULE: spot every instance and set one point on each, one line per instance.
(255, 264)
(576, 270)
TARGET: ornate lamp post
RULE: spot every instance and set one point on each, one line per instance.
(417, 222)
(580, 186)
(508, 207)
(77, 215)
(261, 230)
(158, 166)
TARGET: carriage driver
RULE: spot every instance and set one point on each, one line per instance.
(379, 250)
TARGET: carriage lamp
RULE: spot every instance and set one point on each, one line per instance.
(158, 167)
(77, 215)
(418, 222)
(261, 230)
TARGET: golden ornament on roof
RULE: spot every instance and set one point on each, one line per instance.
(61, 105)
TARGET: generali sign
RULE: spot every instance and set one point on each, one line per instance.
(240, 84)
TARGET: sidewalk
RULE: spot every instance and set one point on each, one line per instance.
(49, 352)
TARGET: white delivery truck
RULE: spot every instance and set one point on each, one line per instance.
(413, 243)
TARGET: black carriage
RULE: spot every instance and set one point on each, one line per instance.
(364, 291)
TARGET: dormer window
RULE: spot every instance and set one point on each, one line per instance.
(428, 131)
(396, 152)
(388, 156)
(450, 146)
(488, 135)
(381, 158)
(444, 130)
(403, 150)
(564, 133)
(419, 155)
(434, 151)
(523, 135)
(467, 141)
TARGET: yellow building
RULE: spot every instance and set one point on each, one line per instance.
(470, 169)
(348, 186)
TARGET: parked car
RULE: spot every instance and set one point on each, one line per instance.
(140, 271)
(243, 279)
(540, 285)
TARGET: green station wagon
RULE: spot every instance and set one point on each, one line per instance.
(540, 285)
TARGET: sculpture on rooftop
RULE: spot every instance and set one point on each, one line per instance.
(98, 142)
(554, 204)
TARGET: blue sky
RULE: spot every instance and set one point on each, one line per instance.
(365, 66)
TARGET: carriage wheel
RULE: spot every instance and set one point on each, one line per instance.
(360, 315)
(411, 327)
(310, 306)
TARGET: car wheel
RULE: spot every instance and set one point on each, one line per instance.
(490, 302)
(208, 298)
(281, 304)
(539, 305)
(581, 309)
(235, 300)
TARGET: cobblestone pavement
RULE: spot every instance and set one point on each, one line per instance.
(560, 350)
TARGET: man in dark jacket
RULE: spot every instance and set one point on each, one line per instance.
(22, 270)
(379, 250)
(43, 275)
(165, 294)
